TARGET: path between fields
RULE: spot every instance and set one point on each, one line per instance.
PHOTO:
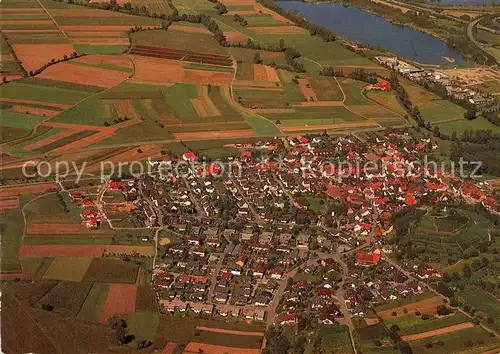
(438, 332)
(55, 22)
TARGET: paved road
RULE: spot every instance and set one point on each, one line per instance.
(470, 34)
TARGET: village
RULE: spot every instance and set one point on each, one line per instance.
(288, 233)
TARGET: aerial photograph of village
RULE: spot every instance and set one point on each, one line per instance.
(250, 176)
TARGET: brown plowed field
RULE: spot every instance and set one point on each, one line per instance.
(265, 73)
(101, 41)
(8, 204)
(120, 300)
(11, 191)
(89, 140)
(322, 104)
(11, 76)
(125, 108)
(30, 31)
(308, 92)
(58, 136)
(34, 56)
(85, 75)
(165, 70)
(48, 104)
(278, 29)
(101, 28)
(194, 347)
(437, 332)
(234, 36)
(262, 9)
(116, 60)
(318, 127)
(215, 134)
(229, 331)
(34, 110)
(23, 10)
(85, 13)
(59, 229)
(25, 22)
(207, 77)
(128, 155)
(189, 29)
(37, 251)
(427, 306)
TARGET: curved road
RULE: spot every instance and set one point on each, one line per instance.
(470, 34)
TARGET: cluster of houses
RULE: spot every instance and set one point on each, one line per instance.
(90, 217)
(238, 236)
(457, 86)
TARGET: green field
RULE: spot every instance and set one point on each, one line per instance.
(94, 303)
(68, 268)
(482, 301)
(12, 230)
(457, 342)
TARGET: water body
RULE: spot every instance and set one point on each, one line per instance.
(363, 27)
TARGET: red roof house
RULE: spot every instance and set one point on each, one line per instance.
(368, 258)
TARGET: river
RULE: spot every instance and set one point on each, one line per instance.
(363, 27)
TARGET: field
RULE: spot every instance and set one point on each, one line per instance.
(110, 270)
(481, 301)
(432, 108)
(120, 300)
(69, 268)
(174, 328)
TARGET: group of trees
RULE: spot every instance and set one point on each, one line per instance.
(357, 74)
(240, 20)
(299, 20)
(220, 7)
(53, 61)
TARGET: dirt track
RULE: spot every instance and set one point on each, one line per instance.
(437, 332)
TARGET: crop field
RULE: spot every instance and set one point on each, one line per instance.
(388, 100)
(175, 40)
(93, 306)
(481, 301)
(469, 340)
(154, 6)
(240, 339)
(335, 340)
(67, 297)
(421, 326)
(110, 271)
(68, 268)
(120, 300)
(9, 66)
